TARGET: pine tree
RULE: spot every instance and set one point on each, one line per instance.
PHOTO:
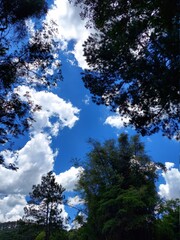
(44, 205)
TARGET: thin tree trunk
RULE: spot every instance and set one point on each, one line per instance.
(47, 224)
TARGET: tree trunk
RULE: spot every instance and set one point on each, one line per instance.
(47, 224)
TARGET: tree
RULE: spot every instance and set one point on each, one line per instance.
(25, 59)
(78, 234)
(167, 223)
(18, 230)
(118, 185)
(44, 204)
(134, 61)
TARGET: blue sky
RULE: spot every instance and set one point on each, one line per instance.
(67, 120)
(92, 124)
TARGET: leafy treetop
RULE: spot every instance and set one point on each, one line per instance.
(134, 61)
(45, 202)
(118, 185)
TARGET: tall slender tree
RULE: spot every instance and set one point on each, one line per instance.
(45, 202)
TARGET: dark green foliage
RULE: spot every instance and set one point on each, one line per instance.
(25, 58)
(134, 61)
(16, 10)
(118, 185)
(19, 230)
(40, 236)
(44, 205)
(167, 223)
(56, 235)
(78, 234)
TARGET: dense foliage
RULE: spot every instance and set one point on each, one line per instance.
(134, 61)
(118, 185)
(121, 200)
(26, 55)
(167, 224)
(19, 230)
(44, 205)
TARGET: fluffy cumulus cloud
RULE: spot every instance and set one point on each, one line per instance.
(12, 198)
(73, 201)
(36, 158)
(12, 207)
(71, 27)
(69, 178)
(116, 121)
(171, 188)
(52, 106)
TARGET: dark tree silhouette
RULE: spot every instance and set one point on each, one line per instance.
(25, 57)
(167, 223)
(118, 185)
(44, 204)
(134, 61)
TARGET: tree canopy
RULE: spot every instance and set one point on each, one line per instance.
(26, 55)
(121, 200)
(118, 185)
(134, 61)
(44, 204)
(167, 224)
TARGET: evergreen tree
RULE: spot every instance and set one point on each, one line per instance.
(44, 205)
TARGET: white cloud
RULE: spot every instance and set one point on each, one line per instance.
(171, 188)
(73, 201)
(52, 106)
(79, 54)
(116, 121)
(12, 207)
(69, 178)
(76, 224)
(16, 185)
(169, 165)
(64, 216)
(71, 27)
(86, 100)
(34, 159)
